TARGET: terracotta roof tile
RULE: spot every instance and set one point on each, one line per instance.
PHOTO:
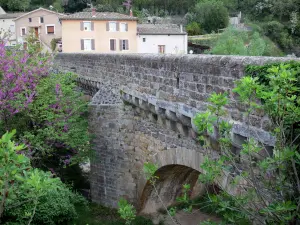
(98, 16)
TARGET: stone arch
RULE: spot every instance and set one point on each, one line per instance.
(169, 187)
(176, 167)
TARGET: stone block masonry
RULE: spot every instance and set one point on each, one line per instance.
(162, 93)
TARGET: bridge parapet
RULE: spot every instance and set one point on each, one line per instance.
(184, 114)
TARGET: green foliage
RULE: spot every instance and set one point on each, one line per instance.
(211, 15)
(55, 124)
(193, 28)
(149, 170)
(268, 183)
(236, 42)
(126, 211)
(16, 5)
(54, 43)
(27, 194)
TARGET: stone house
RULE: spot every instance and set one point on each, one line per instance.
(43, 23)
(161, 38)
(7, 26)
(99, 32)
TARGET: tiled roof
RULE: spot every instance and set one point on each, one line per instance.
(98, 16)
(11, 15)
(39, 9)
(159, 29)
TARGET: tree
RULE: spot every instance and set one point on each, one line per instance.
(16, 5)
(211, 15)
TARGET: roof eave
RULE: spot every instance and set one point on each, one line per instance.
(98, 19)
(28, 13)
(184, 33)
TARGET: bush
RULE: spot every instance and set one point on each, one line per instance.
(230, 42)
(235, 42)
(193, 28)
(31, 196)
(56, 206)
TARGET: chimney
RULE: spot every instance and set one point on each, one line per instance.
(131, 12)
(181, 29)
(93, 12)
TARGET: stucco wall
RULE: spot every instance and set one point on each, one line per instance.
(5, 25)
(49, 19)
(72, 35)
(175, 44)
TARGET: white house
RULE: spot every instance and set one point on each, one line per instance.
(7, 26)
(161, 38)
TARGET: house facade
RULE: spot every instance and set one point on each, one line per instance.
(42, 23)
(161, 38)
(99, 32)
(7, 26)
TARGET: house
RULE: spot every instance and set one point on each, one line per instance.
(99, 32)
(7, 26)
(42, 23)
(161, 38)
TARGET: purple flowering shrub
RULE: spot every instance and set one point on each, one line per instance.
(20, 74)
(45, 108)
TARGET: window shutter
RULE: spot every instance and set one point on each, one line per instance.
(50, 29)
(115, 45)
(82, 44)
(127, 45)
(118, 26)
(107, 26)
(126, 26)
(121, 45)
(81, 25)
(93, 44)
(92, 26)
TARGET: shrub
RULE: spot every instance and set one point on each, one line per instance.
(31, 196)
(193, 28)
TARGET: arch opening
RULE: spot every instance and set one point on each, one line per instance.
(169, 186)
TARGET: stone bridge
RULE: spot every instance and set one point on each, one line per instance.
(142, 110)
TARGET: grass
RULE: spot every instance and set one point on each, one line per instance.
(100, 215)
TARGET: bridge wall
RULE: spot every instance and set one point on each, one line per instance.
(143, 112)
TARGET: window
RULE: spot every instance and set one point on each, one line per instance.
(112, 26)
(124, 45)
(123, 27)
(12, 28)
(41, 19)
(87, 26)
(50, 29)
(87, 45)
(30, 20)
(23, 31)
(161, 48)
(112, 43)
(144, 39)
